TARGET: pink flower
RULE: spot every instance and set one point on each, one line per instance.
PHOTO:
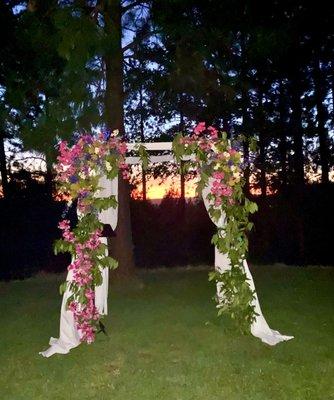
(94, 240)
(124, 169)
(90, 294)
(125, 175)
(122, 165)
(122, 148)
(219, 189)
(77, 161)
(227, 191)
(199, 128)
(218, 175)
(73, 306)
(64, 224)
(218, 202)
(87, 332)
(188, 140)
(213, 132)
(69, 236)
(204, 145)
(232, 152)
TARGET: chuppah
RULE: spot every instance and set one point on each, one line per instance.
(89, 171)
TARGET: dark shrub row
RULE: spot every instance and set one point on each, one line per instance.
(293, 228)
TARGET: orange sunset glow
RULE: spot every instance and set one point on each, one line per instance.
(158, 188)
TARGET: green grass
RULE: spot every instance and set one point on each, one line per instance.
(165, 341)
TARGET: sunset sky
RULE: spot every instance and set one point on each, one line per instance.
(157, 189)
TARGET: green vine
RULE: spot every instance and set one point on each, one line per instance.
(216, 159)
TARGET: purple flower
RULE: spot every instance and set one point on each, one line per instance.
(88, 139)
(230, 163)
(84, 193)
(244, 165)
(106, 134)
(73, 179)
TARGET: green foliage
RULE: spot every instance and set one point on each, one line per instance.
(104, 203)
(80, 170)
(143, 155)
(61, 246)
(234, 295)
(62, 288)
(178, 149)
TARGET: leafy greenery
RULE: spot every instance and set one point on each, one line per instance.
(216, 155)
(80, 168)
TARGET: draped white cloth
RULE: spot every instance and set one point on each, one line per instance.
(109, 216)
(68, 334)
(260, 327)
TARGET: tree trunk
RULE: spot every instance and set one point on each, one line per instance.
(48, 178)
(3, 166)
(122, 245)
(182, 174)
(320, 92)
(332, 91)
(298, 162)
(282, 142)
(182, 184)
(297, 130)
(245, 115)
(144, 185)
(262, 159)
(262, 146)
(142, 138)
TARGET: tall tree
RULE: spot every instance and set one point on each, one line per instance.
(7, 67)
(80, 80)
(114, 116)
(320, 93)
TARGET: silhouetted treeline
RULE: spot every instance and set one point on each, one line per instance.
(264, 70)
(170, 234)
(294, 228)
(28, 227)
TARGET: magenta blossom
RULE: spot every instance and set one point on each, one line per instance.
(199, 128)
(219, 175)
(213, 132)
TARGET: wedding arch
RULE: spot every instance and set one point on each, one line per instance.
(88, 171)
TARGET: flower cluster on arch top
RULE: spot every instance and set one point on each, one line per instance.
(214, 157)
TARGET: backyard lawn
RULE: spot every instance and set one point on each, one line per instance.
(165, 341)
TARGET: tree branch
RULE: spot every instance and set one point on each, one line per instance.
(129, 7)
(138, 39)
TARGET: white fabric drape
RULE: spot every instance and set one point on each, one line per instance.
(108, 188)
(109, 216)
(260, 327)
(68, 334)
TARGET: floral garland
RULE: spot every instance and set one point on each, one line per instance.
(218, 160)
(79, 170)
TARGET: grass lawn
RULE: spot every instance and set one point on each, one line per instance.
(165, 341)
